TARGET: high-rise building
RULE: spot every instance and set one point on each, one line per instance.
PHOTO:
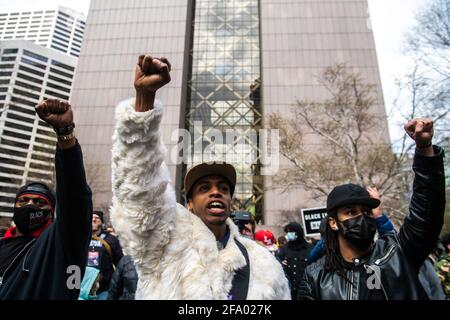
(29, 73)
(233, 64)
(61, 29)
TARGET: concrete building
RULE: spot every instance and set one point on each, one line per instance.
(29, 73)
(61, 29)
(233, 64)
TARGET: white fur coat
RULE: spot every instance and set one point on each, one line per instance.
(175, 254)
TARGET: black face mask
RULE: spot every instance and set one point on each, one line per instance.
(359, 231)
(29, 218)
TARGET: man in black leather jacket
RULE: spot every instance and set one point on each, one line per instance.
(356, 268)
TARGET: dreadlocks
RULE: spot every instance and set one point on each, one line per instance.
(333, 259)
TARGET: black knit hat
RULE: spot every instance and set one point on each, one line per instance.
(348, 194)
(100, 214)
(39, 189)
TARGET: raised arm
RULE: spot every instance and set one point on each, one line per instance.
(74, 198)
(144, 202)
(420, 231)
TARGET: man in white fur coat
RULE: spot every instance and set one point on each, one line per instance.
(180, 253)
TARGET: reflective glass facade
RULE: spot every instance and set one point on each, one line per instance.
(224, 91)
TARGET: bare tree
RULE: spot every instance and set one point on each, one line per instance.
(427, 84)
(426, 88)
(349, 148)
(429, 39)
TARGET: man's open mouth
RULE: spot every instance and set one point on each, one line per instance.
(216, 207)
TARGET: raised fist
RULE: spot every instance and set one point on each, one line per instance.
(151, 73)
(55, 112)
(421, 131)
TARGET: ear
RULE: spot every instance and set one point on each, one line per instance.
(190, 206)
(333, 224)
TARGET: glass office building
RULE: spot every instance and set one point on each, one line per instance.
(224, 89)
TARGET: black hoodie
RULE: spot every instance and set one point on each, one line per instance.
(51, 265)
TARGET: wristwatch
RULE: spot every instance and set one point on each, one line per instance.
(65, 130)
(66, 137)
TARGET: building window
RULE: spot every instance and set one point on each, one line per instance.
(26, 94)
(33, 63)
(24, 68)
(62, 34)
(13, 58)
(30, 112)
(27, 86)
(6, 66)
(224, 89)
(35, 56)
(56, 94)
(54, 86)
(58, 48)
(60, 44)
(65, 41)
(65, 74)
(7, 51)
(59, 80)
(31, 79)
(25, 102)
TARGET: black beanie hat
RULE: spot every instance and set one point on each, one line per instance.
(100, 214)
(37, 188)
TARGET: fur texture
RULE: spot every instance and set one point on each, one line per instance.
(175, 254)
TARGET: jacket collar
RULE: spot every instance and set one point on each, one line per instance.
(11, 232)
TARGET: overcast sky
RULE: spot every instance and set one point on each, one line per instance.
(390, 19)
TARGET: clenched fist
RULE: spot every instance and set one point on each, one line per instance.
(150, 75)
(55, 112)
(421, 131)
(59, 115)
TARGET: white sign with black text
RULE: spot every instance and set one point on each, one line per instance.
(311, 218)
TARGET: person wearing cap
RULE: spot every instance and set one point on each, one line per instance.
(104, 253)
(44, 255)
(382, 221)
(193, 252)
(267, 240)
(355, 267)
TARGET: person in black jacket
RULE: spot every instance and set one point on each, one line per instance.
(294, 255)
(124, 280)
(104, 253)
(44, 255)
(356, 268)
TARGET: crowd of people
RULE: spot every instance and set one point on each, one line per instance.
(60, 248)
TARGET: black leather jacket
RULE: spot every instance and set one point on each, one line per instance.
(124, 280)
(395, 258)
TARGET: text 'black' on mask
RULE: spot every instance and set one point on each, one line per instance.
(29, 218)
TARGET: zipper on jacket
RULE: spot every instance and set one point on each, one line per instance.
(350, 295)
(383, 258)
(25, 259)
(9, 266)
